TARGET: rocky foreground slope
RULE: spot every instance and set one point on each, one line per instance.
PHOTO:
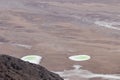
(15, 69)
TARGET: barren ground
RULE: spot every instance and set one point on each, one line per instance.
(57, 29)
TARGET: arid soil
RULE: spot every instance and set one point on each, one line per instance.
(57, 29)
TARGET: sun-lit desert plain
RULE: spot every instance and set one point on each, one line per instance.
(57, 29)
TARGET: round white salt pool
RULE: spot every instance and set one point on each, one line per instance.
(32, 59)
(79, 57)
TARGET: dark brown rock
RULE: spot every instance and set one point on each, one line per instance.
(15, 69)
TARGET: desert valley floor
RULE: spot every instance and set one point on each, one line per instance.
(57, 29)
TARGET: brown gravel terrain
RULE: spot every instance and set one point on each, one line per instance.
(57, 29)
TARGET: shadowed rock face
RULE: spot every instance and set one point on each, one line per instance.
(15, 69)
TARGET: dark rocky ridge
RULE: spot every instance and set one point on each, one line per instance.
(15, 69)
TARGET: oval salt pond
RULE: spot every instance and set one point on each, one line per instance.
(32, 59)
(79, 57)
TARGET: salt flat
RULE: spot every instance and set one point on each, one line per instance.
(57, 29)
